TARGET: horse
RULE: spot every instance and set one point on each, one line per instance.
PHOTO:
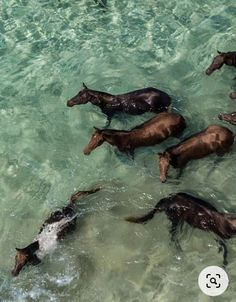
(228, 117)
(152, 132)
(134, 102)
(214, 139)
(55, 228)
(227, 58)
(197, 213)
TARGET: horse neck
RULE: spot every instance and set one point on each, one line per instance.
(230, 59)
(184, 146)
(103, 97)
(225, 225)
(231, 219)
(175, 150)
(117, 138)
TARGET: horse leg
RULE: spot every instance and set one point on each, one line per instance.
(179, 172)
(109, 117)
(131, 152)
(173, 232)
(223, 247)
(137, 107)
(110, 109)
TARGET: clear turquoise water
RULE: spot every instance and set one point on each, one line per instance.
(47, 49)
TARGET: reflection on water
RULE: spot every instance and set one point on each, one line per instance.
(47, 49)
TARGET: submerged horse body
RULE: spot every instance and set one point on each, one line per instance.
(152, 132)
(227, 58)
(59, 224)
(214, 139)
(228, 117)
(134, 102)
(183, 207)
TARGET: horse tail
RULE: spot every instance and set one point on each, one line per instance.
(143, 219)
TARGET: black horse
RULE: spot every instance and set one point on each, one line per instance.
(228, 117)
(134, 102)
(198, 213)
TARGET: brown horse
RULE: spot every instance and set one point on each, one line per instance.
(152, 132)
(213, 139)
(59, 224)
(227, 58)
(182, 207)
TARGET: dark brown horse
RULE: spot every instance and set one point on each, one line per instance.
(214, 139)
(198, 213)
(134, 102)
(227, 58)
(59, 224)
(150, 133)
(228, 117)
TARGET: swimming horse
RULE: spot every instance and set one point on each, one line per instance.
(135, 102)
(56, 227)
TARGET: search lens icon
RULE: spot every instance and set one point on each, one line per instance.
(213, 280)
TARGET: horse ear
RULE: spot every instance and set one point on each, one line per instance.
(219, 52)
(97, 129)
(159, 153)
(84, 86)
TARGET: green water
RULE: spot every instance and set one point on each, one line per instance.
(47, 49)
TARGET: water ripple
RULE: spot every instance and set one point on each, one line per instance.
(47, 49)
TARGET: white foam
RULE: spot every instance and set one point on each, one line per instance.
(48, 237)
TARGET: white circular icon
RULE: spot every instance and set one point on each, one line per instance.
(213, 280)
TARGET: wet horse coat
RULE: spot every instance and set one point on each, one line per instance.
(134, 102)
(214, 139)
(227, 58)
(228, 117)
(152, 132)
(59, 224)
(182, 207)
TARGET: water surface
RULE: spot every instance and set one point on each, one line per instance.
(47, 49)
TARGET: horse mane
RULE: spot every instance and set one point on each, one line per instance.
(102, 96)
(113, 131)
(180, 144)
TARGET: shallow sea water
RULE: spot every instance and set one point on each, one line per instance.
(47, 49)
